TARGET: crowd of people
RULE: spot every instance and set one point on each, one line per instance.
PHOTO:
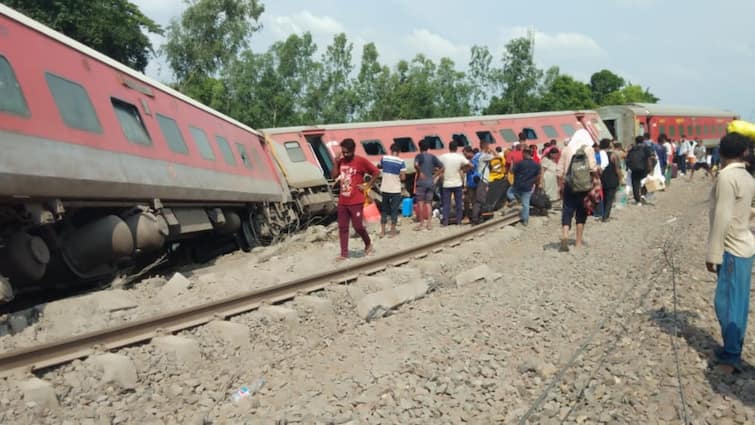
(466, 185)
(585, 176)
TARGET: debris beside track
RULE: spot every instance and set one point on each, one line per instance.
(482, 352)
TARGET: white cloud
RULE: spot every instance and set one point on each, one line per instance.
(435, 46)
(572, 44)
(301, 22)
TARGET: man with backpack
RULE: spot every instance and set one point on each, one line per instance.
(477, 179)
(638, 161)
(577, 173)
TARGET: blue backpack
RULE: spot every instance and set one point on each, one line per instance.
(473, 175)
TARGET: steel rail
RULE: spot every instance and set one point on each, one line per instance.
(68, 349)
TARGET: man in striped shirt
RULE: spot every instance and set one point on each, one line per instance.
(394, 172)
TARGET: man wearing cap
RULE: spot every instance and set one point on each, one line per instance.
(731, 247)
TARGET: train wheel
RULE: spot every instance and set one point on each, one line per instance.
(247, 237)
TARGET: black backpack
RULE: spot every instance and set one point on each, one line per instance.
(636, 160)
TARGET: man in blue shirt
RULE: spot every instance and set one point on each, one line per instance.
(526, 177)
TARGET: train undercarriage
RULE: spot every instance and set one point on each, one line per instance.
(54, 242)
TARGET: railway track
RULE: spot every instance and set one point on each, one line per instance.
(65, 350)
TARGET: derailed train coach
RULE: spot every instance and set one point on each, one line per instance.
(104, 170)
(625, 122)
(319, 144)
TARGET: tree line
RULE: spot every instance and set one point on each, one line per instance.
(207, 48)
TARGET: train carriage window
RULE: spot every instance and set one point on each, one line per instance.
(529, 133)
(706, 129)
(508, 135)
(172, 134)
(568, 129)
(486, 136)
(434, 142)
(672, 131)
(405, 144)
(689, 131)
(203, 144)
(661, 129)
(550, 131)
(460, 139)
(244, 156)
(225, 150)
(131, 122)
(294, 151)
(11, 97)
(697, 130)
(373, 147)
(681, 130)
(73, 103)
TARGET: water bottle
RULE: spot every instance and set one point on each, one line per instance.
(247, 391)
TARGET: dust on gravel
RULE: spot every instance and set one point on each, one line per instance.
(478, 353)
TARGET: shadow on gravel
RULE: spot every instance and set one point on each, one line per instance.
(554, 246)
(740, 385)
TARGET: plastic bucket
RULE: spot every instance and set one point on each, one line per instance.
(371, 213)
(407, 206)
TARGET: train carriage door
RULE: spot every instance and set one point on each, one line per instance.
(323, 155)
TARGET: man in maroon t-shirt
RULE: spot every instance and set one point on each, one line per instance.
(349, 173)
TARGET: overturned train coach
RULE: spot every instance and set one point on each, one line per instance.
(628, 121)
(319, 144)
(103, 169)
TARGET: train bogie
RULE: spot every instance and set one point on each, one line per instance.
(104, 168)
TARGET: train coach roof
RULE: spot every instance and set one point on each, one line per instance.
(672, 110)
(49, 32)
(428, 121)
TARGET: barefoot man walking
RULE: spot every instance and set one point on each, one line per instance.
(349, 173)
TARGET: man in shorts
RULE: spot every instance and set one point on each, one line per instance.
(427, 168)
(394, 173)
(573, 207)
(701, 160)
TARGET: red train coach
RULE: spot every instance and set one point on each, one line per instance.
(101, 165)
(373, 139)
(631, 120)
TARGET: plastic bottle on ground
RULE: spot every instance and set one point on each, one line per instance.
(247, 391)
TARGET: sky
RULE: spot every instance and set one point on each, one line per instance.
(696, 53)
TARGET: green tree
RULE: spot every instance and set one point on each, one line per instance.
(368, 82)
(519, 78)
(208, 37)
(337, 88)
(631, 93)
(482, 77)
(415, 94)
(604, 82)
(635, 93)
(452, 89)
(270, 89)
(115, 28)
(565, 93)
(385, 107)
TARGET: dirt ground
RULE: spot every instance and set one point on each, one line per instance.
(589, 336)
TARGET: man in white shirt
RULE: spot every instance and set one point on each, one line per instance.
(454, 165)
(681, 154)
(731, 247)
